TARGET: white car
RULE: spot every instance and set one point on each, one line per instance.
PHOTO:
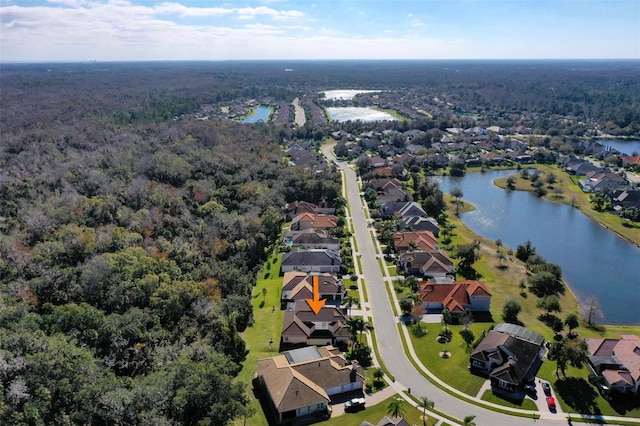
(354, 404)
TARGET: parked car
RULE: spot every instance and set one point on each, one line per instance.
(530, 388)
(546, 387)
(551, 403)
(355, 404)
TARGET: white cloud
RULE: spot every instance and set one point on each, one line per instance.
(78, 30)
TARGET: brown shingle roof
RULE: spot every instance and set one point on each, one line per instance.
(287, 388)
(293, 385)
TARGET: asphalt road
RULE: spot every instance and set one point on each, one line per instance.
(385, 325)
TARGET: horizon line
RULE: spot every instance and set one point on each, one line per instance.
(95, 61)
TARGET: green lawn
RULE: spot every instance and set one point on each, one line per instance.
(526, 404)
(452, 370)
(375, 413)
(266, 327)
(503, 285)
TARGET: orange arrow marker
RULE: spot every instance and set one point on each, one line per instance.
(316, 304)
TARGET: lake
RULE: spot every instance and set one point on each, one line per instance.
(624, 146)
(358, 113)
(260, 113)
(594, 260)
(344, 94)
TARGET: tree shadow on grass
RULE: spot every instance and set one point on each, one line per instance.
(623, 403)
(469, 273)
(578, 394)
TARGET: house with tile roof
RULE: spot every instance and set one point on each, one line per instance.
(298, 285)
(311, 220)
(426, 263)
(301, 326)
(415, 240)
(510, 355)
(315, 260)
(456, 297)
(616, 361)
(300, 383)
(299, 207)
(630, 160)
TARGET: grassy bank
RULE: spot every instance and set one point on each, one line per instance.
(502, 279)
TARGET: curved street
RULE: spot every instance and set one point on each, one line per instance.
(389, 344)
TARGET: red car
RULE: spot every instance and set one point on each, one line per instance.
(551, 403)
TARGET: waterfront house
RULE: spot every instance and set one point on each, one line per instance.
(616, 362)
(510, 355)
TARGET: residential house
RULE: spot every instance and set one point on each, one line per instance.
(298, 285)
(419, 223)
(312, 239)
(299, 207)
(582, 167)
(302, 326)
(394, 193)
(400, 209)
(382, 184)
(316, 260)
(456, 297)
(427, 264)
(625, 199)
(602, 182)
(300, 383)
(628, 161)
(510, 355)
(311, 220)
(415, 240)
(377, 162)
(388, 421)
(616, 361)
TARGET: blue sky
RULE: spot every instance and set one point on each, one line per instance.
(125, 30)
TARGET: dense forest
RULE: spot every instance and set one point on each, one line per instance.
(131, 229)
(129, 250)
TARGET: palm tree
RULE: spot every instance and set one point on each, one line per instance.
(395, 408)
(356, 327)
(349, 301)
(425, 403)
(352, 326)
(572, 321)
(468, 421)
(457, 193)
(364, 326)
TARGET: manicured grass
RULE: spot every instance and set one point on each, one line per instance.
(526, 404)
(573, 195)
(266, 326)
(452, 370)
(364, 290)
(393, 271)
(375, 413)
(381, 265)
(503, 282)
(503, 285)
